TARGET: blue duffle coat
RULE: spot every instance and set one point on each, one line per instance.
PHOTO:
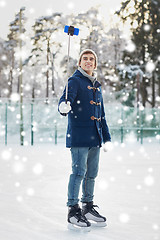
(87, 126)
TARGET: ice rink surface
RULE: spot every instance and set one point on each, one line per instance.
(33, 193)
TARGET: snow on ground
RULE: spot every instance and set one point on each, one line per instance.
(33, 192)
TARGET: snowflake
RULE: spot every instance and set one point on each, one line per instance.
(3, 58)
(18, 167)
(17, 184)
(31, 10)
(120, 121)
(149, 180)
(142, 150)
(149, 117)
(150, 66)
(131, 154)
(22, 36)
(18, 116)
(6, 155)
(116, 143)
(147, 27)
(26, 143)
(34, 129)
(145, 208)
(102, 184)
(130, 47)
(49, 11)
(30, 191)
(23, 133)
(123, 145)
(16, 157)
(27, 87)
(129, 171)
(155, 226)
(150, 170)
(70, 5)
(112, 179)
(119, 158)
(50, 153)
(19, 198)
(158, 99)
(158, 137)
(124, 218)
(15, 97)
(141, 108)
(125, 98)
(38, 169)
(139, 187)
(12, 109)
(2, 3)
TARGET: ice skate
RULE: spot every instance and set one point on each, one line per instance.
(76, 221)
(88, 211)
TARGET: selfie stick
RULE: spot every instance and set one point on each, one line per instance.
(71, 31)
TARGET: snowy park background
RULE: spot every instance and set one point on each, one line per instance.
(33, 57)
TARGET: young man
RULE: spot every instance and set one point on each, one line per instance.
(87, 129)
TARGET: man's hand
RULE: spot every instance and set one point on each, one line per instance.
(65, 107)
(107, 146)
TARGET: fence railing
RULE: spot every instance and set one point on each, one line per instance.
(43, 124)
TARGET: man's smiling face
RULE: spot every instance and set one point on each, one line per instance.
(88, 63)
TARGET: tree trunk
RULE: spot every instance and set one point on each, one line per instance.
(33, 93)
(144, 89)
(33, 86)
(143, 92)
(138, 88)
(21, 83)
(47, 73)
(52, 62)
(11, 73)
(159, 86)
(18, 85)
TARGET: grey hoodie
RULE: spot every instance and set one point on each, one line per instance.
(92, 78)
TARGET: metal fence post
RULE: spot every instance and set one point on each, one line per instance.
(138, 122)
(55, 133)
(121, 134)
(141, 134)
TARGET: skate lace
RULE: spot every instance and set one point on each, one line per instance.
(80, 216)
(94, 210)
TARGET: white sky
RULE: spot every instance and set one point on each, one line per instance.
(37, 8)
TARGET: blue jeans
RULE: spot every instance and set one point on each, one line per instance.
(85, 162)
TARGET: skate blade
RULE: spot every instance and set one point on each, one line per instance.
(74, 227)
(98, 224)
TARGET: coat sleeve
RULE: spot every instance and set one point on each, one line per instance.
(105, 130)
(72, 92)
